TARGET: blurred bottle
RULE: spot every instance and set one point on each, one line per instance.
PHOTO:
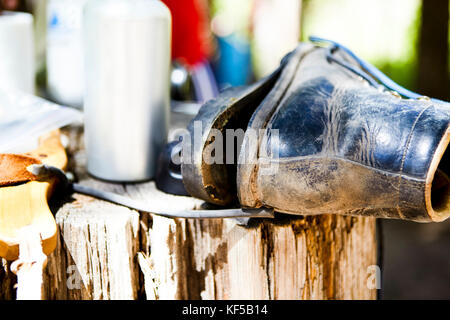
(17, 51)
(191, 49)
(65, 77)
(126, 105)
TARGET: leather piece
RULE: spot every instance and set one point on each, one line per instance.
(13, 169)
(259, 119)
(344, 147)
(326, 114)
(428, 130)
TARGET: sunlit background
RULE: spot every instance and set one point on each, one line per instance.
(383, 32)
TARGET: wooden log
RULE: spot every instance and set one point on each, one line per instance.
(323, 257)
(95, 255)
(105, 251)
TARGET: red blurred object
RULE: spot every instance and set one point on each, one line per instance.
(190, 35)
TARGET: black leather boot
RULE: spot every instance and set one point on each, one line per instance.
(334, 141)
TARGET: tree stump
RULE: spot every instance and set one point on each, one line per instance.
(324, 257)
(107, 251)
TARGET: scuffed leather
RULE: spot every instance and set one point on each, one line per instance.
(343, 146)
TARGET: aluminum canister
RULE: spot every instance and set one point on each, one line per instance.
(126, 105)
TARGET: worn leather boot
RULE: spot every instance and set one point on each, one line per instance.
(334, 140)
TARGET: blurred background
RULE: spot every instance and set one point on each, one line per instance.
(222, 43)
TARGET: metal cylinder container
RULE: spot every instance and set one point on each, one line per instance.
(126, 105)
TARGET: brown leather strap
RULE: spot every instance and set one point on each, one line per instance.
(13, 169)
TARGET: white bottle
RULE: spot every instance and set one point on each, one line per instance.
(65, 77)
(126, 105)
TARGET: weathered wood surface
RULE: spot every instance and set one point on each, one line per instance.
(106, 251)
